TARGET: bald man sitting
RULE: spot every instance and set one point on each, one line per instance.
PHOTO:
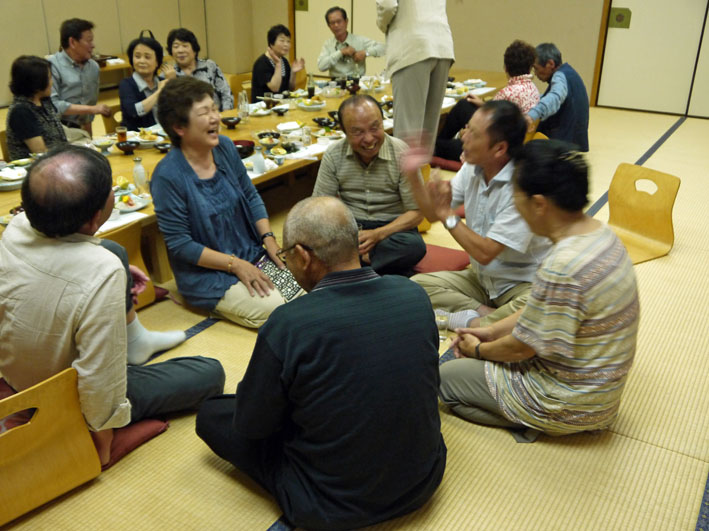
(63, 304)
(337, 415)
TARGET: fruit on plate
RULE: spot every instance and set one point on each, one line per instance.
(148, 136)
(122, 182)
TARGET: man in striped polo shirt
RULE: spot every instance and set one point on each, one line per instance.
(363, 170)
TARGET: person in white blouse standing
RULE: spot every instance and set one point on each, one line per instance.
(419, 55)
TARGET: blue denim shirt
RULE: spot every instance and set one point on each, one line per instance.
(218, 213)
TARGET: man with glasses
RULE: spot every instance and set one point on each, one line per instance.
(345, 54)
(337, 415)
(75, 77)
(363, 171)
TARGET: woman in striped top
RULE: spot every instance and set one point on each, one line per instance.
(559, 365)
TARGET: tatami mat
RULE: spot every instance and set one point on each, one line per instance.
(647, 472)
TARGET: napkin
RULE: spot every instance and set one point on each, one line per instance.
(256, 106)
(447, 102)
(289, 126)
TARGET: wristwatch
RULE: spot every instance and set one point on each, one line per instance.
(452, 221)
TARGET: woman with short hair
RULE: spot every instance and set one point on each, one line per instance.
(271, 71)
(139, 93)
(184, 48)
(214, 222)
(558, 365)
(32, 123)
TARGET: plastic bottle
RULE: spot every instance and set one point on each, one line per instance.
(140, 177)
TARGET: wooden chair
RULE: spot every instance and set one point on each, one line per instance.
(301, 79)
(111, 122)
(3, 146)
(425, 225)
(531, 132)
(643, 221)
(51, 454)
(129, 237)
(237, 84)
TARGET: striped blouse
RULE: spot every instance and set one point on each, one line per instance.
(582, 320)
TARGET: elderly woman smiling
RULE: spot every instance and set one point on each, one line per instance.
(139, 93)
(213, 219)
(184, 47)
(560, 364)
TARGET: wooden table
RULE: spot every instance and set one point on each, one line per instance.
(123, 164)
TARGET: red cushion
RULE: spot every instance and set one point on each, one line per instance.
(439, 258)
(125, 439)
(128, 438)
(445, 164)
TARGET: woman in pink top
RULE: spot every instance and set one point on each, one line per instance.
(519, 58)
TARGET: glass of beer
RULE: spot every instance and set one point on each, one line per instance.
(121, 133)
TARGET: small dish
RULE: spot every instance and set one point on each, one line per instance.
(325, 122)
(244, 147)
(260, 112)
(280, 111)
(163, 147)
(128, 147)
(103, 143)
(21, 162)
(231, 121)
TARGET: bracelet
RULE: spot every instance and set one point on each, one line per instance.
(477, 351)
(231, 261)
(264, 236)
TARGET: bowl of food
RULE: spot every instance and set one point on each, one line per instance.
(244, 147)
(163, 147)
(231, 121)
(102, 143)
(268, 139)
(290, 147)
(280, 111)
(278, 151)
(128, 147)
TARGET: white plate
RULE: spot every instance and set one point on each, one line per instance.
(333, 133)
(13, 174)
(134, 135)
(313, 108)
(260, 112)
(139, 203)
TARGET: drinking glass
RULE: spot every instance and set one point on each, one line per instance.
(442, 324)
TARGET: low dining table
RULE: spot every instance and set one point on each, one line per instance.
(122, 165)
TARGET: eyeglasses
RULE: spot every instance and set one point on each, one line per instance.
(281, 253)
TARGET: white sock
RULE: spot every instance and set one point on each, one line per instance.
(144, 343)
(458, 319)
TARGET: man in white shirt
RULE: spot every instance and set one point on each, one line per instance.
(346, 54)
(63, 303)
(504, 253)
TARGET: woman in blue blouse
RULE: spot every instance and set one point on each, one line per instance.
(213, 219)
(139, 93)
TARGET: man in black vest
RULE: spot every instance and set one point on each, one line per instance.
(563, 109)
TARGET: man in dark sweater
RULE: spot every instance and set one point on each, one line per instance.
(337, 414)
(563, 108)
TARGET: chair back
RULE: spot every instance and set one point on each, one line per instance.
(642, 220)
(425, 225)
(301, 79)
(49, 455)
(3, 146)
(114, 119)
(237, 81)
(531, 132)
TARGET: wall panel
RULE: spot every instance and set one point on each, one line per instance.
(23, 33)
(103, 13)
(159, 16)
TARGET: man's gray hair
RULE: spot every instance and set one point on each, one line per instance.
(326, 226)
(546, 51)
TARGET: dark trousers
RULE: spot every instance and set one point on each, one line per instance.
(174, 385)
(259, 459)
(397, 254)
(447, 147)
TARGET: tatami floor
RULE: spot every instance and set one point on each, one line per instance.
(647, 472)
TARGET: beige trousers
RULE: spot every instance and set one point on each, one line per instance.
(239, 306)
(454, 291)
